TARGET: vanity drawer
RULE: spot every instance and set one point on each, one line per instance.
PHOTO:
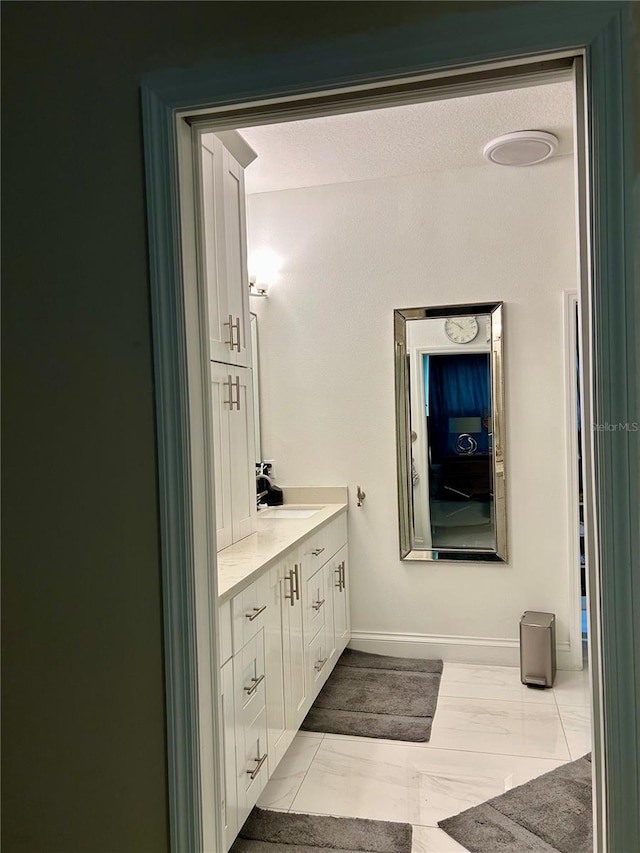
(323, 544)
(335, 535)
(248, 610)
(317, 662)
(225, 648)
(314, 553)
(314, 604)
(253, 772)
(249, 679)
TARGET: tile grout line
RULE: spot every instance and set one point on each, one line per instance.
(564, 733)
(427, 749)
(320, 742)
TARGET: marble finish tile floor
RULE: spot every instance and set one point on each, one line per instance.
(490, 733)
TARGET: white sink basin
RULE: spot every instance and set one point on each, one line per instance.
(289, 512)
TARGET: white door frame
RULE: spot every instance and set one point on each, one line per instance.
(569, 315)
(180, 349)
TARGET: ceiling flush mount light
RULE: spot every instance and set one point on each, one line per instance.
(522, 148)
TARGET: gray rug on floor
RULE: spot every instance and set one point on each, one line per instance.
(550, 814)
(377, 696)
(285, 832)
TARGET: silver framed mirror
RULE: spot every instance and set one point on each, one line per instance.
(450, 432)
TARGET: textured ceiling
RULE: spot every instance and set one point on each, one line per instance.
(406, 140)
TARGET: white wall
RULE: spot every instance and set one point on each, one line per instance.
(353, 252)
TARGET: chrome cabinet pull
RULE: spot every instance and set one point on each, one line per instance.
(342, 575)
(319, 664)
(318, 604)
(338, 572)
(228, 384)
(256, 612)
(317, 551)
(296, 570)
(291, 597)
(230, 343)
(233, 404)
(253, 773)
(255, 683)
(236, 326)
(234, 341)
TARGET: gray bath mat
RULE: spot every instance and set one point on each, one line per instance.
(377, 696)
(550, 814)
(285, 832)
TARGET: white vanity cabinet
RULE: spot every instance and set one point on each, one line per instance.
(233, 451)
(280, 637)
(224, 251)
(224, 265)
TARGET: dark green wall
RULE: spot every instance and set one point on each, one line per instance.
(84, 759)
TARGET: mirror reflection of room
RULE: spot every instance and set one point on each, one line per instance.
(449, 497)
(456, 424)
(459, 450)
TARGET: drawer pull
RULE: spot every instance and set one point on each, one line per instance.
(230, 343)
(229, 384)
(254, 686)
(256, 612)
(317, 551)
(317, 604)
(237, 344)
(291, 597)
(253, 773)
(296, 570)
(320, 664)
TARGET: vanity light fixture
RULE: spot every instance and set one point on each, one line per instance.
(257, 289)
(264, 270)
(522, 148)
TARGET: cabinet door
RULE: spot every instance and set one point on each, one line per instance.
(278, 736)
(221, 386)
(229, 790)
(293, 642)
(341, 615)
(236, 274)
(213, 249)
(330, 577)
(241, 451)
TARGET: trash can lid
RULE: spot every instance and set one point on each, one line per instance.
(537, 618)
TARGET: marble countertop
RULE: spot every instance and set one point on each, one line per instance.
(243, 562)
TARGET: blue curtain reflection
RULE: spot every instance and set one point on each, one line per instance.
(457, 386)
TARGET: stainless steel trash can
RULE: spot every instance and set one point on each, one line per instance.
(537, 648)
